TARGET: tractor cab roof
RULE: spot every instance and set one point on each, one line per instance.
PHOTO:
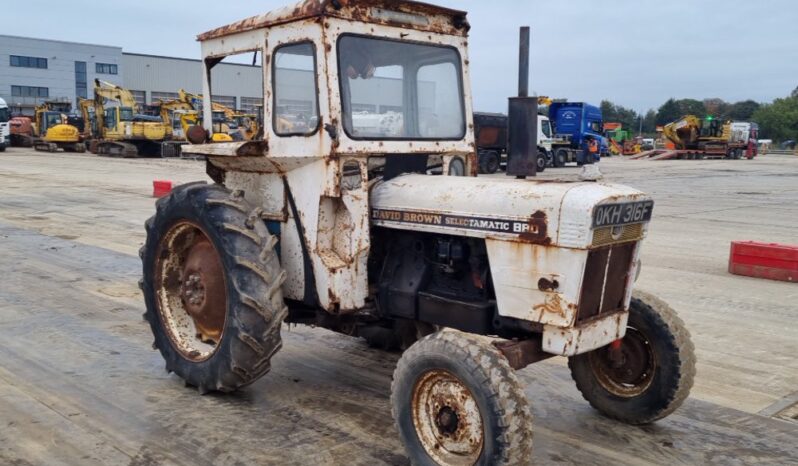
(404, 13)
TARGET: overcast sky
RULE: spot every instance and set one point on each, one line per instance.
(636, 53)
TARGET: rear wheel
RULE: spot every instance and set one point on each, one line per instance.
(646, 375)
(489, 162)
(211, 285)
(457, 401)
(560, 158)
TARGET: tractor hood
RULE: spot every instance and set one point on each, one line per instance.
(546, 212)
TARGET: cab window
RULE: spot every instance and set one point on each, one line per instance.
(296, 105)
(546, 128)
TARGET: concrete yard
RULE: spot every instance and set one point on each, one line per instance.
(81, 385)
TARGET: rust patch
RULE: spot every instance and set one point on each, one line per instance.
(538, 230)
(522, 353)
(440, 19)
(544, 284)
(553, 304)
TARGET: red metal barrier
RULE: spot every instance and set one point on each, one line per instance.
(764, 260)
(161, 188)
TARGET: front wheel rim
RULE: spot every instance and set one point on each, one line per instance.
(191, 293)
(447, 419)
(627, 371)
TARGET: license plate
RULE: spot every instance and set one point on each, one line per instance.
(623, 213)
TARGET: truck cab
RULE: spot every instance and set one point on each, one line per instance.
(5, 134)
(574, 123)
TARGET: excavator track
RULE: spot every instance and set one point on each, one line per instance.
(117, 149)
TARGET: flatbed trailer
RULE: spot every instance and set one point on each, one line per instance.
(724, 152)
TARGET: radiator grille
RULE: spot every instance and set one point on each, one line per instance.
(604, 285)
(624, 233)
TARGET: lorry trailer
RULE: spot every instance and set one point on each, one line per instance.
(490, 130)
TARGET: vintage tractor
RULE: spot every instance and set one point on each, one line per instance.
(378, 227)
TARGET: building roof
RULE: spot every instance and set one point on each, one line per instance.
(347, 9)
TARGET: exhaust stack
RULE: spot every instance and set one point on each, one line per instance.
(522, 131)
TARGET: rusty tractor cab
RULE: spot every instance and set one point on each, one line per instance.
(358, 210)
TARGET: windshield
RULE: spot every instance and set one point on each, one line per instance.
(5, 115)
(400, 90)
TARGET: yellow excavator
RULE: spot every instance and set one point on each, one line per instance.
(240, 126)
(120, 130)
(53, 130)
(186, 125)
(691, 132)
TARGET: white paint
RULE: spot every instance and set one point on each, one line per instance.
(586, 337)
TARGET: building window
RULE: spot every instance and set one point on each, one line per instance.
(81, 82)
(29, 62)
(162, 96)
(252, 105)
(141, 97)
(29, 91)
(226, 100)
(106, 68)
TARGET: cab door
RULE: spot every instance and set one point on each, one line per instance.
(296, 107)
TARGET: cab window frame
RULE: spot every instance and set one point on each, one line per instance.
(274, 53)
(459, 69)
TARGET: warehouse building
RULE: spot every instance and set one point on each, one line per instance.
(36, 70)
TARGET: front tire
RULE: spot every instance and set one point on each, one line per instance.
(457, 401)
(212, 287)
(648, 375)
(542, 161)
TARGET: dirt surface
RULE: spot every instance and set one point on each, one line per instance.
(80, 384)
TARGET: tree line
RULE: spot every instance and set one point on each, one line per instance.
(777, 120)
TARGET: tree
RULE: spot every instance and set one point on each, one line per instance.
(779, 120)
(650, 122)
(674, 109)
(794, 92)
(716, 107)
(668, 112)
(619, 114)
(742, 111)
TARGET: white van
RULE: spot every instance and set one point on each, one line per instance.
(5, 134)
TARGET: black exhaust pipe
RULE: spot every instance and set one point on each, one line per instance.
(522, 134)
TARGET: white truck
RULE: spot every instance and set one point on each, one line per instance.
(327, 226)
(5, 133)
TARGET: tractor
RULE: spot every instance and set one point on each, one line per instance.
(358, 210)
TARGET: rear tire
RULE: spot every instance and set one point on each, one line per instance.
(489, 162)
(223, 338)
(560, 158)
(656, 372)
(456, 400)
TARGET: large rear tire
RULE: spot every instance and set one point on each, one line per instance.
(212, 287)
(648, 375)
(457, 401)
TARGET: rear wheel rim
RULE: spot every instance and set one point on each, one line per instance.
(627, 371)
(191, 294)
(447, 420)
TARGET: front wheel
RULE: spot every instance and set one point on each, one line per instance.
(457, 401)
(646, 375)
(541, 161)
